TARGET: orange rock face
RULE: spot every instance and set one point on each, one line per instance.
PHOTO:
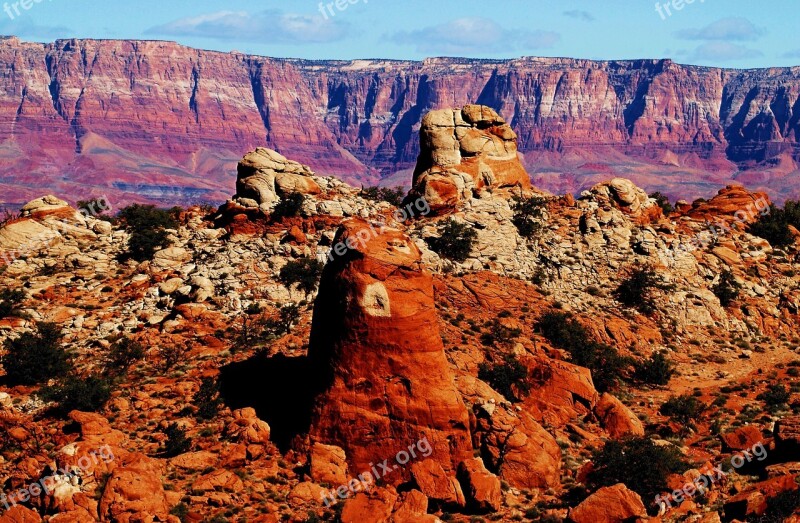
(618, 420)
(615, 504)
(375, 341)
(734, 202)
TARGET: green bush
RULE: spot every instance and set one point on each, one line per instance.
(208, 400)
(656, 370)
(637, 290)
(607, 365)
(124, 353)
(663, 202)
(10, 300)
(455, 240)
(638, 463)
(147, 228)
(305, 273)
(177, 442)
(684, 409)
(35, 357)
(774, 226)
(527, 215)
(79, 393)
(506, 377)
(288, 316)
(290, 205)
(727, 288)
(393, 195)
(775, 396)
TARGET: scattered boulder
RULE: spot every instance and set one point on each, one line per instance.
(754, 500)
(135, 492)
(743, 438)
(617, 504)
(481, 487)
(328, 464)
(616, 418)
(625, 196)
(371, 507)
(436, 484)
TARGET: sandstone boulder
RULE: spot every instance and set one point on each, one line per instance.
(265, 177)
(375, 346)
(618, 420)
(624, 195)
(616, 504)
(135, 492)
(463, 153)
(481, 488)
(437, 484)
(743, 438)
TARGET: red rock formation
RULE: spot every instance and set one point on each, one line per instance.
(617, 419)
(733, 203)
(375, 339)
(169, 122)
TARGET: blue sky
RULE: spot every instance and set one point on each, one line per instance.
(730, 33)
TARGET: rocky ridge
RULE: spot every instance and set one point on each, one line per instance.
(382, 309)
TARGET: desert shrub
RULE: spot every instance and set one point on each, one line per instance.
(172, 354)
(87, 394)
(499, 334)
(287, 318)
(180, 511)
(289, 206)
(663, 202)
(638, 463)
(527, 215)
(393, 195)
(455, 240)
(147, 227)
(637, 290)
(35, 357)
(774, 226)
(123, 353)
(208, 400)
(727, 288)
(177, 442)
(305, 273)
(684, 409)
(775, 396)
(10, 300)
(779, 508)
(655, 370)
(506, 377)
(607, 365)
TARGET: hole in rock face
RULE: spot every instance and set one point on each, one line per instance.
(280, 389)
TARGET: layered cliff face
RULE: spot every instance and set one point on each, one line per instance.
(166, 122)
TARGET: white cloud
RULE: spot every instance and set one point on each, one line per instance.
(726, 29)
(265, 27)
(474, 36)
(725, 51)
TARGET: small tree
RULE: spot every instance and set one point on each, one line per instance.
(638, 463)
(727, 288)
(507, 377)
(10, 301)
(288, 316)
(393, 195)
(527, 215)
(776, 396)
(455, 241)
(124, 353)
(208, 400)
(177, 442)
(684, 409)
(663, 202)
(290, 205)
(637, 290)
(87, 394)
(305, 272)
(774, 225)
(656, 370)
(147, 228)
(36, 357)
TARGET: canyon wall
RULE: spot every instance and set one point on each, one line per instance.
(162, 122)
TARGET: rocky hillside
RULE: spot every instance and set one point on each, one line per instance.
(155, 120)
(308, 352)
